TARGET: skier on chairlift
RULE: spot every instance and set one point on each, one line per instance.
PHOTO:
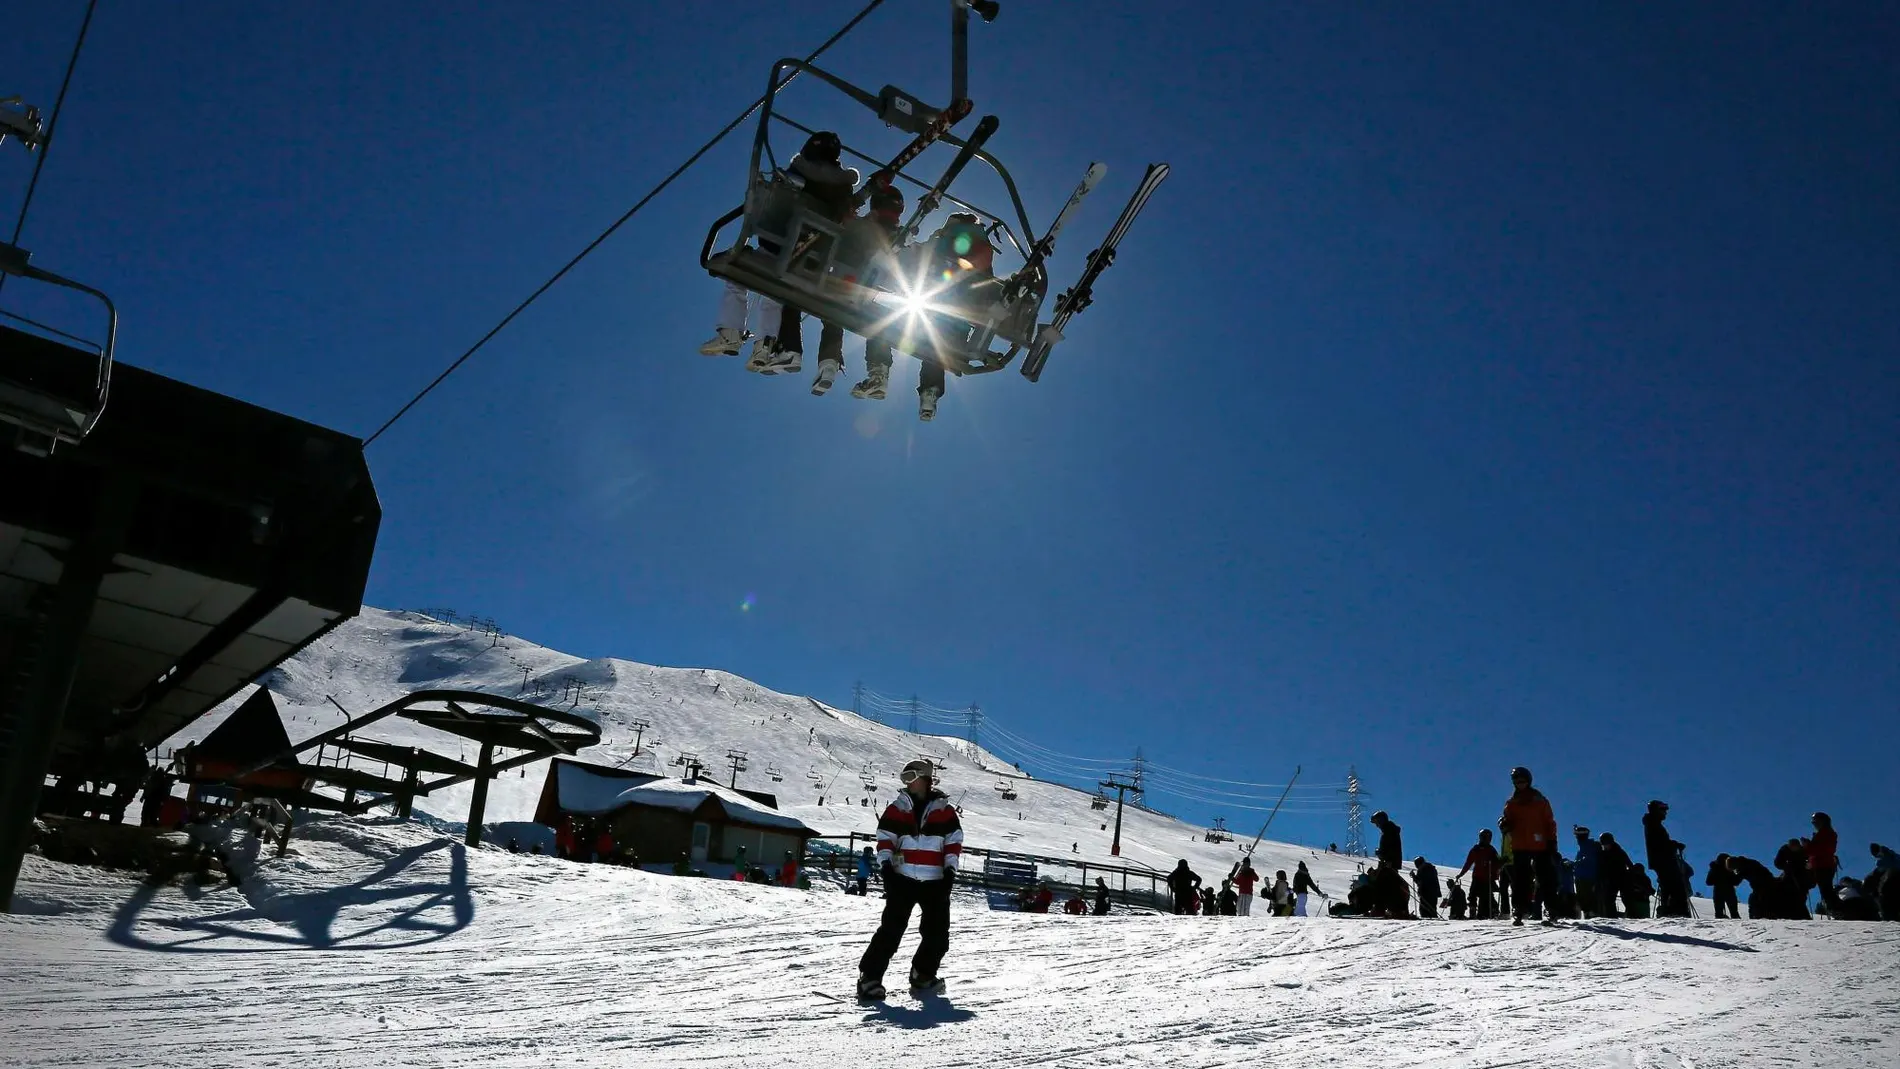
(821, 178)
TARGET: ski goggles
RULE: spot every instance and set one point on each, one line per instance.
(912, 774)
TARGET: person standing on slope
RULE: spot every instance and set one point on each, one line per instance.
(866, 861)
(1101, 897)
(1824, 859)
(1228, 900)
(1588, 855)
(1481, 861)
(1425, 878)
(1282, 894)
(919, 845)
(1672, 893)
(1532, 831)
(1613, 865)
(1389, 896)
(1455, 901)
(1303, 885)
(1244, 877)
(1185, 884)
(1722, 885)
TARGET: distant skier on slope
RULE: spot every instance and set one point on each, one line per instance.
(1722, 881)
(1532, 831)
(1481, 861)
(1244, 877)
(1101, 897)
(1425, 878)
(1185, 884)
(919, 845)
(1613, 865)
(1589, 855)
(1455, 901)
(1823, 859)
(1389, 894)
(1303, 885)
(1672, 892)
(866, 862)
(1282, 894)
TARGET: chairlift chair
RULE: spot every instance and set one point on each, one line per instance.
(53, 384)
(789, 249)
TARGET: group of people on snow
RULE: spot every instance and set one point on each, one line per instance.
(1526, 873)
(954, 266)
(1287, 898)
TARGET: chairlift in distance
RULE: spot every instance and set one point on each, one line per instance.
(789, 249)
(1219, 833)
(1008, 792)
(1100, 801)
(53, 384)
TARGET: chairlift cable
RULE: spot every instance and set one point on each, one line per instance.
(616, 225)
(52, 124)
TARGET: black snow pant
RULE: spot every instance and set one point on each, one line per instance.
(1181, 897)
(1606, 894)
(1587, 897)
(1427, 907)
(1824, 883)
(1672, 893)
(1726, 905)
(932, 897)
(1543, 865)
(1484, 898)
(791, 335)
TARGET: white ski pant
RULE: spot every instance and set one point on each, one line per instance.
(1299, 904)
(736, 308)
(1245, 906)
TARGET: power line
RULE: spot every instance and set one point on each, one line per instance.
(52, 125)
(605, 234)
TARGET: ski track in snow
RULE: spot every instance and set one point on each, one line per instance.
(377, 943)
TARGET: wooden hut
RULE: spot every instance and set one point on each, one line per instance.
(662, 819)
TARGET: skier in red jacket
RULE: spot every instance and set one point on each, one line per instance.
(1823, 860)
(919, 846)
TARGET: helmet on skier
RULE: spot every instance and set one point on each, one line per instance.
(1380, 817)
(887, 201)
(1521, 773)
(1821, 820)
(1582, 832)
(1656, 804)
(823, 145)
(918, 769)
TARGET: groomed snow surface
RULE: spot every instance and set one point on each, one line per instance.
(377, 943)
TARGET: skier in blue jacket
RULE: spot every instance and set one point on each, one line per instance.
(866, 862)
(1588, 851)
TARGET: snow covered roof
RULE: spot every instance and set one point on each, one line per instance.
(583, 790)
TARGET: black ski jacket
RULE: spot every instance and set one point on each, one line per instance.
(1656, 844)
(1391, 852)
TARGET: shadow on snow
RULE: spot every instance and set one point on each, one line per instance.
(1662, 937)
(424, 912)
(930, 1013)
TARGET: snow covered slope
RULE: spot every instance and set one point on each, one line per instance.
(819, 751)
(379, 943)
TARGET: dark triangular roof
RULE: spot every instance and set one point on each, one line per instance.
(251, 735)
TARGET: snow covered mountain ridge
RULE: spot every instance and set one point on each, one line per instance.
(828, 767)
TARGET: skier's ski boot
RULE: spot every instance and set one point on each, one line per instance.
(783, 362)
(876, 380)
(827, 374)
(925, 985)
(870, 988)
(725, 342)
(1517, 922)
(762, 351)
(927, 403)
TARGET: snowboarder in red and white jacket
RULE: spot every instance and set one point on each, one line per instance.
(919, 845)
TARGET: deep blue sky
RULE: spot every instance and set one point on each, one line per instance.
(1487, 386)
